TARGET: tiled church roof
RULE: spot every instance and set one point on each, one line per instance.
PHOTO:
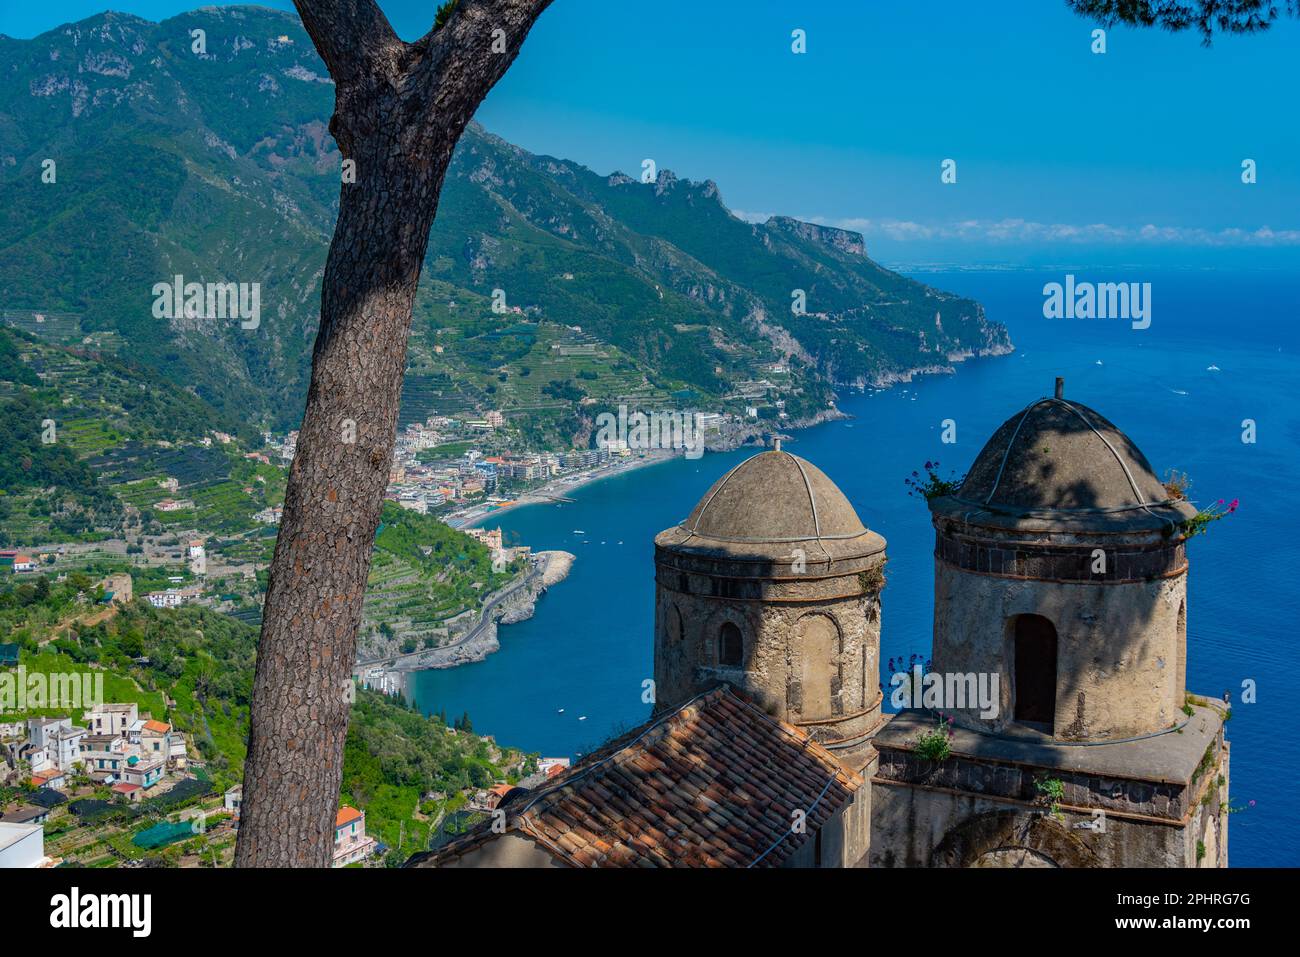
(714, 783)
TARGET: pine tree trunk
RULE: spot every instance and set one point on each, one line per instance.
(303, 688)
(399, 110)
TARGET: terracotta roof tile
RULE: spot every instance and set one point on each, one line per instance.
(346, 815)
(712, 784)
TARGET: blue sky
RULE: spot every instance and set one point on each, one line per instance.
(1062, 155)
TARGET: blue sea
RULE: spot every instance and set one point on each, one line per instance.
(588, 649)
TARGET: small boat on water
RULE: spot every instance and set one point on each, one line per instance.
(583, 718)
(1213, 369)
(578, 531)
(561, 711)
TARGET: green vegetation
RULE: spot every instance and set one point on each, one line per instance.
(1200, 523)
(193, 668)
(423, 575)
(935, 745)
(395, 757)
(1052, 790)
(199, 659)
(932, 486)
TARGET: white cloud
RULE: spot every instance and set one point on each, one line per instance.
(1026, 231)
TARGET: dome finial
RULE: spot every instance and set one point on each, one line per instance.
(1060, 387)
(777, 444)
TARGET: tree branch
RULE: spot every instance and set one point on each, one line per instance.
(353, 37)
(1205, 16)
(456, 65)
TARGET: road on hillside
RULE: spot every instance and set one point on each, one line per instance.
(484, 619)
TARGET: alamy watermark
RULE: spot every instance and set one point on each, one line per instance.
(651, 430)
(1103, 300)
(21, 690)
(179, 299)
(947, 691)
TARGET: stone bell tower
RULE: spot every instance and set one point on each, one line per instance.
(772, 584)
(1061, 572)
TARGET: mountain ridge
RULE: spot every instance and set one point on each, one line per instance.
(218, 166)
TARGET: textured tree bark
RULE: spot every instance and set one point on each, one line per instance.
(399, 110)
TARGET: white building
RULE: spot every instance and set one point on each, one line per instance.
(234, 799)
(41, 730)
(65, 747)
(109, 718)
(351, 844)
(22, 845)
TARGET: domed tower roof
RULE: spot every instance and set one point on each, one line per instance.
(1061, 463)
(768, 505)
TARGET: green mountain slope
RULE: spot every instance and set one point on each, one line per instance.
(218, 166)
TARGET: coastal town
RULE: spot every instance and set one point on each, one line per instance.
(464, 469)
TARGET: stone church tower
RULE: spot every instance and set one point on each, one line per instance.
(1061, 570)
(772, 585)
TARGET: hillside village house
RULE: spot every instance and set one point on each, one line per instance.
(38, 759)
(39, 730)
(350, 841)
(177, 754)
(60, 738)
(111, 719)
(171, 598)
(142, 772)
(103, 755)
(131, 793)
(50, 778)
(234, 799)
(17, 562)
(118, 588)
(155, 739)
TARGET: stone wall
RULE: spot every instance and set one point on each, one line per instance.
(845, 838)
(810, 656)
(1120, 647)
(967, 813)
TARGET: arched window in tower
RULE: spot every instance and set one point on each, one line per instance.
(1034, 641)
(818, 646)
(674, 624)
(731, 646)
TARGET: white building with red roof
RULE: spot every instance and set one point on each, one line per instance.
(351, 844)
